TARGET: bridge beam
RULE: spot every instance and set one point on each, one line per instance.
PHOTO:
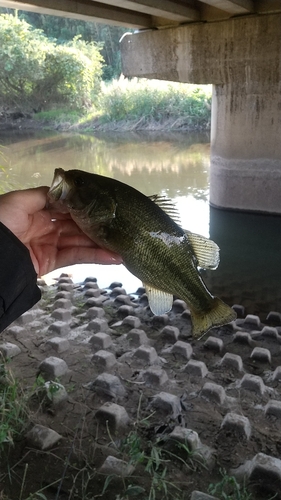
(242, 58)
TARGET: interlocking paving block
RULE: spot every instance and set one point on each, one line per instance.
(116, 466)
(114, 415)
(101, 340)
(253, 320)
(243, 338)
(273, 407)
(237, 424)
(167, 403)
(179, 306)
(213, 392)
(95, 312)
(214, 344)
(137, 337)
(59, 327)
(42, 437)
(53, 367)
(131, 321)
(108, 385)
(55, 392)
(61, 314)
(98, 325)
(253, 383)
(183, 349)
(199, 495)
(277, 373)
(104, 359)
(155, 376)
(9, 350)
(270, 331)
(59, 344)
(196, 368)
(261, 354)
(62, 304)
(170, 332)
(146, 353)
(274, 317)
(233, 361)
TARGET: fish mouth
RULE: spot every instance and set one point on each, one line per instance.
(59, 188)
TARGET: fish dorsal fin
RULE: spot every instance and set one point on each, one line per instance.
(159, 302)
(206, 251)
(167, 206)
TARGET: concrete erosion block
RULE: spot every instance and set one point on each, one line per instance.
(154, 376)
(146, 353)
(55, 392)
(122, 299)
(158, 321)
(65, 279)
(199, 495)
(61, 314)
(104, 359)
(213, 392)
(261, 354)
(92, 292)
(108, 385)
(273, 407)
(131, 321)
(66, 287)
(166, 403)
(274, 317)
(117, 290)
(262, 470)
(9, 350)
(170, 333)
(97, 325)
(91, 284)
(184, 349)
(25, 318)
(113, 415)
(42, 437)
(277, 373)
(243, 338)
(59, 344)
(237, 424)
(270, 332)
(125, 310)
(239, 309)
(196, 368)
(17, 331)
(101, 340)
(116, 467)
(253, 320)
(179, 306)
(53, 367)
(90, 279)
(62, 303)
(253, 383)
(214, 344)
(186, 436)
(233, 361)
(137, 337)
(59, 327)
(95, 312)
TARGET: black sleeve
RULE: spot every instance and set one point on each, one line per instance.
(18, 289)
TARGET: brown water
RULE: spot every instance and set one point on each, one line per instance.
(176, 165)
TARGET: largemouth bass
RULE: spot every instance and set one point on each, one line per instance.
(153, 246)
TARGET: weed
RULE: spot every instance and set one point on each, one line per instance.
(229, 489)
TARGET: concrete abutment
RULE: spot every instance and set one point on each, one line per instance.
(241, 57)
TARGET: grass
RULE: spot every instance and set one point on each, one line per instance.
(138, 104)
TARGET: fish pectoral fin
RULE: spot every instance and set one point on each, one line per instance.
(159, 302)
(206, 251)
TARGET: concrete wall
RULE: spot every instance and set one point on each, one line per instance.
(242, 58)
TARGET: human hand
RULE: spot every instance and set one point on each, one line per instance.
(53, 239)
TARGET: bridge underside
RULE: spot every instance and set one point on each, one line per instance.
(242, 58)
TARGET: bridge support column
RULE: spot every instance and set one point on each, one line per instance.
(246, 146)
(241, 57)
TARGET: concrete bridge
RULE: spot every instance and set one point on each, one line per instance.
(233, 44)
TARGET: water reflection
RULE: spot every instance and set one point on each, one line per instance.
(173, 164)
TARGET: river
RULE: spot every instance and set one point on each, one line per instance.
(171, 164)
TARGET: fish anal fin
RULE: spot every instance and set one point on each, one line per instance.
(206, 251)
(159, 302)
(219, 314)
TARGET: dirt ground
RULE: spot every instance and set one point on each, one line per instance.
(72, 469)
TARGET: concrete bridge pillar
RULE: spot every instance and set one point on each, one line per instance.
(241, 57)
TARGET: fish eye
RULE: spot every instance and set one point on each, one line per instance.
(79, 181)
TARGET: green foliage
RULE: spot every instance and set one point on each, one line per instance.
(229, 489)
(36, 73)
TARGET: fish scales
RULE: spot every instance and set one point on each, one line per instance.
(152, 245)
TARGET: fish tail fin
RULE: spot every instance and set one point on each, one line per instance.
(219, 314)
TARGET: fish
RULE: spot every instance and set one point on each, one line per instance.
(145, 231)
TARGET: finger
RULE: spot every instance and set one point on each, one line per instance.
(71, 256)
(29, 200)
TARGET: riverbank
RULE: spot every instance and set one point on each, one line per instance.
(139, 408)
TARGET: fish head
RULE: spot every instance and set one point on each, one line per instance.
(82, 194)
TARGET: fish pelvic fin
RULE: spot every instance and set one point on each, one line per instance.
(206, 251)
(220, 314)
(159, 302)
